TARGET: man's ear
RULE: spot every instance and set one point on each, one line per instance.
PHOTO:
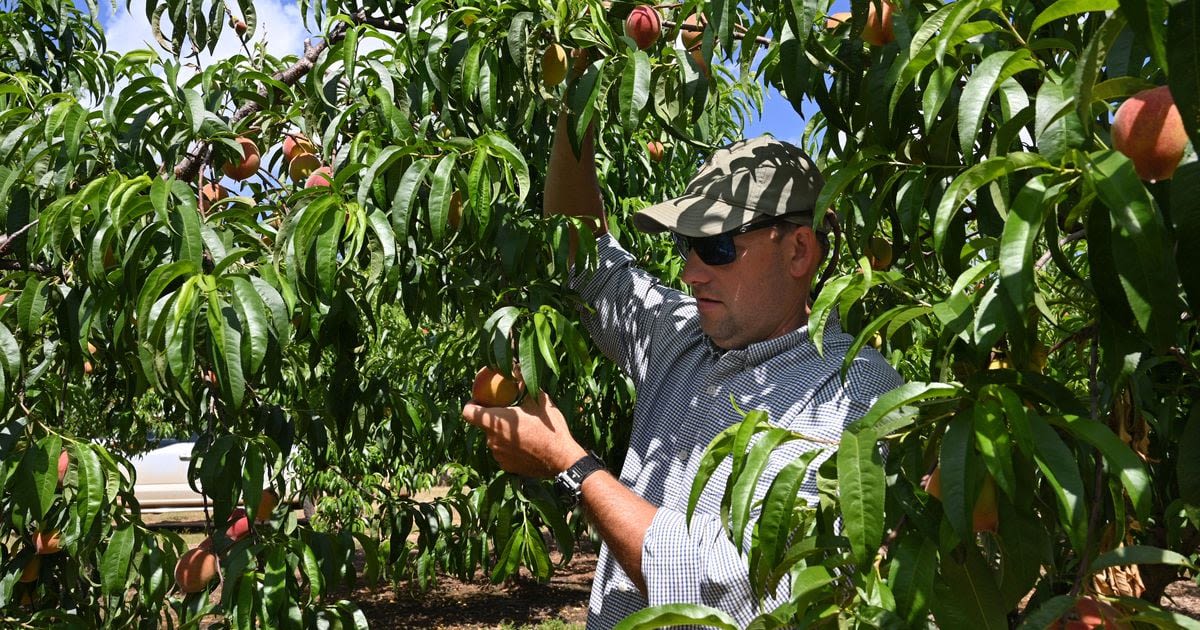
(806, 251)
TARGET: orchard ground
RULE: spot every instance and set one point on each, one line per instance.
(522, 604)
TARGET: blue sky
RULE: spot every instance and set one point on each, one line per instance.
(279, 24)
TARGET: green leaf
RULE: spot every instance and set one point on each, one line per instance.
(956, 461)
(635, 90)
(1060, 466)
(226, 349)
(530, 368)
(994, 443)
(983, 82)
(152, 289)
(1067, 8)
(31, 306)
(1148, 19)
(775, 522)
(37, 476)
(90, 481)
(381, 164)
(441, 188)
(861, 486)
(971, 180)
(253, 313)
(1089, 67)
(830, 296)
(1140, 247)
(717, 450)
(968, 597)
(911, 575)
(741, 487)
(1121, 459)
(1057, 128)
(1021, 230)
(677, 614)
(195, 108)
(1139, 554)
(114, 565)
(906, 394)
(841, 178)
(501, 147)
(10, 353)
(406, 194)
(1183, 51)
(1048, 613)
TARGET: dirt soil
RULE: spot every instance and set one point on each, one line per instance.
(457, 605)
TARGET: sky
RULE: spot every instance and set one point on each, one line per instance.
(279, 24)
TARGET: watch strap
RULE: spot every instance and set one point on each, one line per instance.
(569, 482)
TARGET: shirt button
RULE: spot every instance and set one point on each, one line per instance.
(683, 454)
(713, 390)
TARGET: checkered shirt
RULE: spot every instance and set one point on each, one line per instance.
(684, 384)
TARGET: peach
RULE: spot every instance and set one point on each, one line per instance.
(643, 26)
(295, 144)
(985, 515)
(1088, 614)
(239, 525)
(210, 194)
(240, 27)
(493, 389)
(195, 569)
(879, 253)
(454, 214)
(248, 165)
(266, 505)
(1149, 130)
(554, 65)
(691, 39)
(878, 30)
(47, 542)
(655, 149)
(320, 177)
(33, 568)
(64, 462)
(837, 19)
(303, 165)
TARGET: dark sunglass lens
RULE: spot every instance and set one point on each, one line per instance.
(682, 245)
(715, 250)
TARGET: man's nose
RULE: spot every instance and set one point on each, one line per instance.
(695, 271)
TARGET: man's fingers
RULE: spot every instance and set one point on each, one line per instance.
(488, 418)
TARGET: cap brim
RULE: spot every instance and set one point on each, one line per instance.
(693, 215)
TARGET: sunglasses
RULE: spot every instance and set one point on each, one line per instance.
(719, 249)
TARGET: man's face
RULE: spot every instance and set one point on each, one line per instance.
(756, 297)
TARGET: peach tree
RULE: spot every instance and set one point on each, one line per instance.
(300, 262)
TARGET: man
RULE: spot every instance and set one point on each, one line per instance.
(745, 227)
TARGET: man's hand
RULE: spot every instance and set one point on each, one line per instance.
(531, 440)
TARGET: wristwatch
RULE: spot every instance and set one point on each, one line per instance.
(569, 483)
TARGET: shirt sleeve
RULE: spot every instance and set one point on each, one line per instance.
(626, 305)
(700, 565)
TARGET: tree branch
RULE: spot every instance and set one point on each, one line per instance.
(1070, 238)
(7, 241)
(189, 167)
(696, 28)
(16, 265)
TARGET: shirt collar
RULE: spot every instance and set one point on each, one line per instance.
(760, 351)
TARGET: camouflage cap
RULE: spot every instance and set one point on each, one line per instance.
(747, 180)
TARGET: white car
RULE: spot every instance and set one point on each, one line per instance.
(162, 478)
